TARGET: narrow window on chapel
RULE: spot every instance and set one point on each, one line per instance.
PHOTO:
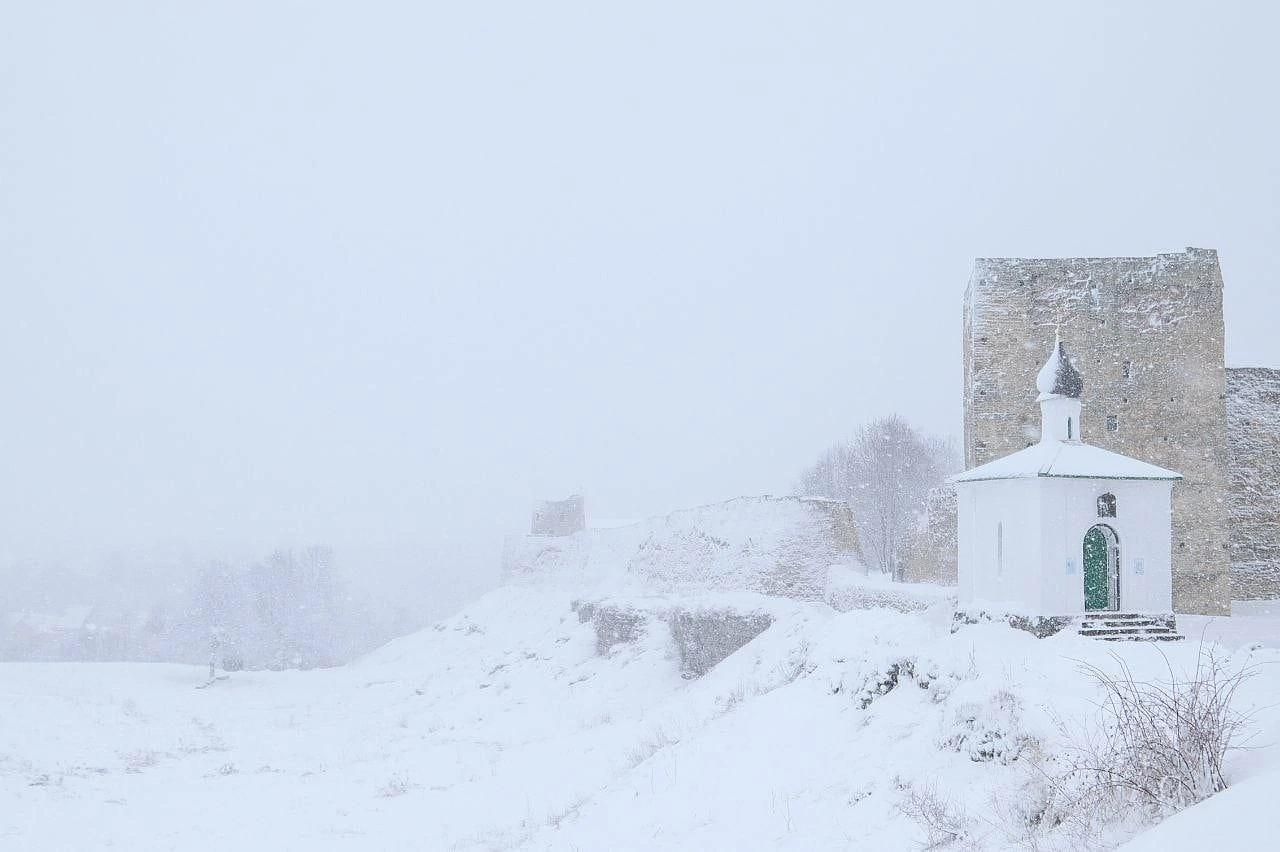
(1069, 435)
(1107, 506)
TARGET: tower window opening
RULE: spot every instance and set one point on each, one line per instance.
(1126, 370)
(1106, 505)
(1070, 436)
(1113, 423)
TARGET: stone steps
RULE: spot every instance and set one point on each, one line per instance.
(1130, 627)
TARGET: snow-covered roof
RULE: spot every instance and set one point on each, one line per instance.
(1058, 376)
(1065, 459)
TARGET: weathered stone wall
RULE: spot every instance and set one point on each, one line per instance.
(1253, 441)
(1147, 333)
(703, 635)
(615, 624)
(778, 546)
(560, 517)
(932, 553)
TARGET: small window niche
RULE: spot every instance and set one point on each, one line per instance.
(1126, 370)
(1113, 423)
(1000, 549)
(1107, 506)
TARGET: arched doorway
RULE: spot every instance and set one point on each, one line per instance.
(1101, 568)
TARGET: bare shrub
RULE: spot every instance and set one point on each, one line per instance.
(397, 785)
(877, 684)
(657, 740)
(1159, 745)
(989, 731)
(794, 666)
(555, 820)
(1029, 818)
(782, 673)
(942, 820)
(136, 761)
(736, 696)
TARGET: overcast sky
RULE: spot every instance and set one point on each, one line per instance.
(382, 274)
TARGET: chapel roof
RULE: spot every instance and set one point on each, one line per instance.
(1065, 459)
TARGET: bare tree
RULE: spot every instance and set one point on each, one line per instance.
(885, 473)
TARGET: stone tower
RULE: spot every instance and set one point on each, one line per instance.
(1148, 331)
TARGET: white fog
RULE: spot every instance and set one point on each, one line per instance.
(569, 426)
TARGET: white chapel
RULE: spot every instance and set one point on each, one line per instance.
(1062, 527)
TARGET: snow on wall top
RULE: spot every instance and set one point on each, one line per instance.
(779, 546)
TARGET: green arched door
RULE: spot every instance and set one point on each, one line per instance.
(1097, 569)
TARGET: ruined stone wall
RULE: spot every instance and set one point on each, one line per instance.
(1147, 333)
(778, 546)
(704, 635)
(559, 517)
(1253, 441)
(932, 556)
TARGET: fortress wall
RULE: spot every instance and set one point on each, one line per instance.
(1147, 333)
(560, 517)
(932, 556)
(1253, 442)
(777, 546)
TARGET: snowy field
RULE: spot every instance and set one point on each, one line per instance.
(502, 728)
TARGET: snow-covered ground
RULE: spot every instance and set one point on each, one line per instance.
(502, 728)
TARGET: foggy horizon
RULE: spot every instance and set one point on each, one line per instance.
(383, 278)
(551, 426)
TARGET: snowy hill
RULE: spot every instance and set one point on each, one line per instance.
(525, 723)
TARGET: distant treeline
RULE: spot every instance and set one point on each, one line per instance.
(289, 610)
